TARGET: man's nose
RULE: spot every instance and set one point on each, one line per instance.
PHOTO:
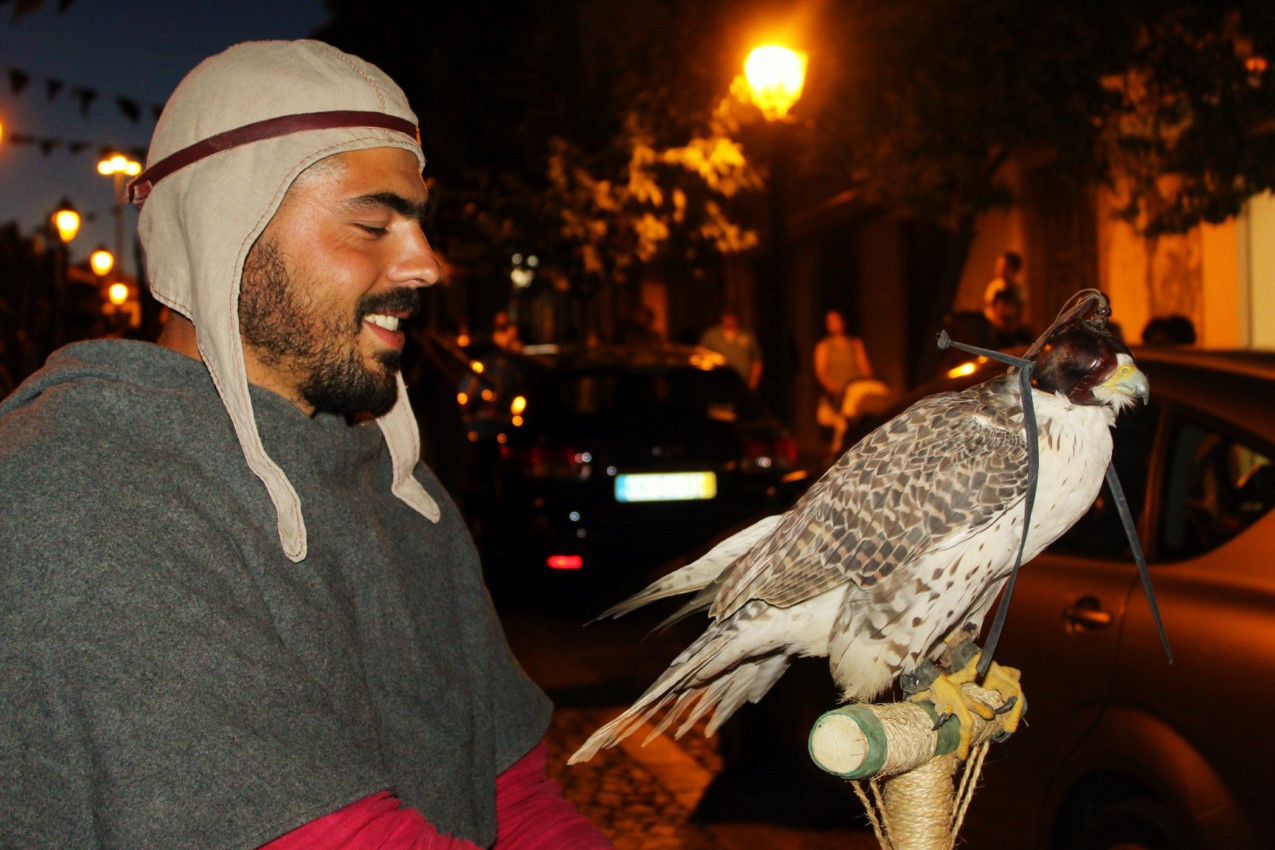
(419, 265)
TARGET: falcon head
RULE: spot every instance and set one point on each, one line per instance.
(1079, 358)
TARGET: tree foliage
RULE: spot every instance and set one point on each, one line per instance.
(602, 144)
(938, 96)
(605, 134)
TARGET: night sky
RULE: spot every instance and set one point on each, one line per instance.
(137, 49)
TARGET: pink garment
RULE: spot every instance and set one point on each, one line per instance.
(530, 815)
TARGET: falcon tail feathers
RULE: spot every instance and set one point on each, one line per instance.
(698, 574)
(748, 682)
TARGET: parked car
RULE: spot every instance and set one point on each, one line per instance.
(1122, 749)
(600, 464)
(1119, 749)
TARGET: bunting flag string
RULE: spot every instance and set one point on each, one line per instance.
(129, 107)
(48, 144)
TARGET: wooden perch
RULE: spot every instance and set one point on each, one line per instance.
(858, 741)
(897, 746)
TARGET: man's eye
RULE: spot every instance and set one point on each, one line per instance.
(372, 229)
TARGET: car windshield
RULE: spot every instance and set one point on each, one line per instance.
(646, 395)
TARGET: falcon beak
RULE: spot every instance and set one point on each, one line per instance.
(1129, 380)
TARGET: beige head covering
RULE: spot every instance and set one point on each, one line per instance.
(206, 204)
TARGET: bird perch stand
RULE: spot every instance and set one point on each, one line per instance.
(909, 766)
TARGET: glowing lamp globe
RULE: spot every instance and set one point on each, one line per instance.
(102, 261)
(775, 76)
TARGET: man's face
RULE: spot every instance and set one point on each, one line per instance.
(327, 282)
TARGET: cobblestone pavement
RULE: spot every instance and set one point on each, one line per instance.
(642, 797)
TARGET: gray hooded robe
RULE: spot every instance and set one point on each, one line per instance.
(220, 618)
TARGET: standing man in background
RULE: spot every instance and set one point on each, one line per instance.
(739, 346)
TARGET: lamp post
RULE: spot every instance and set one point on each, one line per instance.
(118, 167)
(775, 78)
(64, 224)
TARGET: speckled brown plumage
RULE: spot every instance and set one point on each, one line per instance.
(902, 543)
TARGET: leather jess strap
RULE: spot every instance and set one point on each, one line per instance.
(140, 186)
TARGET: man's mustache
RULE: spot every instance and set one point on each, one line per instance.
(404, 300)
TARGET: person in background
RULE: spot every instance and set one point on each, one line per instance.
(1173, 329)
(739, 346)
(236, 610)
(504, 333)
(639, 330)
(846, 380)
(1003, 302)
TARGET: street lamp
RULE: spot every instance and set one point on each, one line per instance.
(775, 78)
(118, 167)
(101, 261)
(66, 221)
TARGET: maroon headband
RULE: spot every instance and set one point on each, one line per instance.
(140, 186)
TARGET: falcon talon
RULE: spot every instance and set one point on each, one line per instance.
(1007, 706)
(943, 718)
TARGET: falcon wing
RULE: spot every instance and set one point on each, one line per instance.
(928, 479)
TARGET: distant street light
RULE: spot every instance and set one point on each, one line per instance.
(102, 261)
(775, 78)
(66, 221)
(118, 167)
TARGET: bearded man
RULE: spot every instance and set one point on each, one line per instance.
(229, 615)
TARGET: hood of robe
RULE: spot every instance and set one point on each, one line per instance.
(233, 137)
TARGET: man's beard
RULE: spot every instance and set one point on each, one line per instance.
(280, 321)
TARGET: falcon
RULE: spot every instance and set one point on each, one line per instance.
(896, 554)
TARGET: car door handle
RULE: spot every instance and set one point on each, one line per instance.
(1087, 613)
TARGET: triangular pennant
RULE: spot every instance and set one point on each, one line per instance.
(77, 147)
(47, 146)
(22, 139)
(18, 80)
(52, 87)
(131, 109)
(85, 96)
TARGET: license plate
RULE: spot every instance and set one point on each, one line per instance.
(665, 486)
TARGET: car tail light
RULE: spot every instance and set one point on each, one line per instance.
(547, 461)
(565, 562)
(780, 452)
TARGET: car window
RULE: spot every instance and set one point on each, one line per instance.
(1216, 485)
(1100, 533)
